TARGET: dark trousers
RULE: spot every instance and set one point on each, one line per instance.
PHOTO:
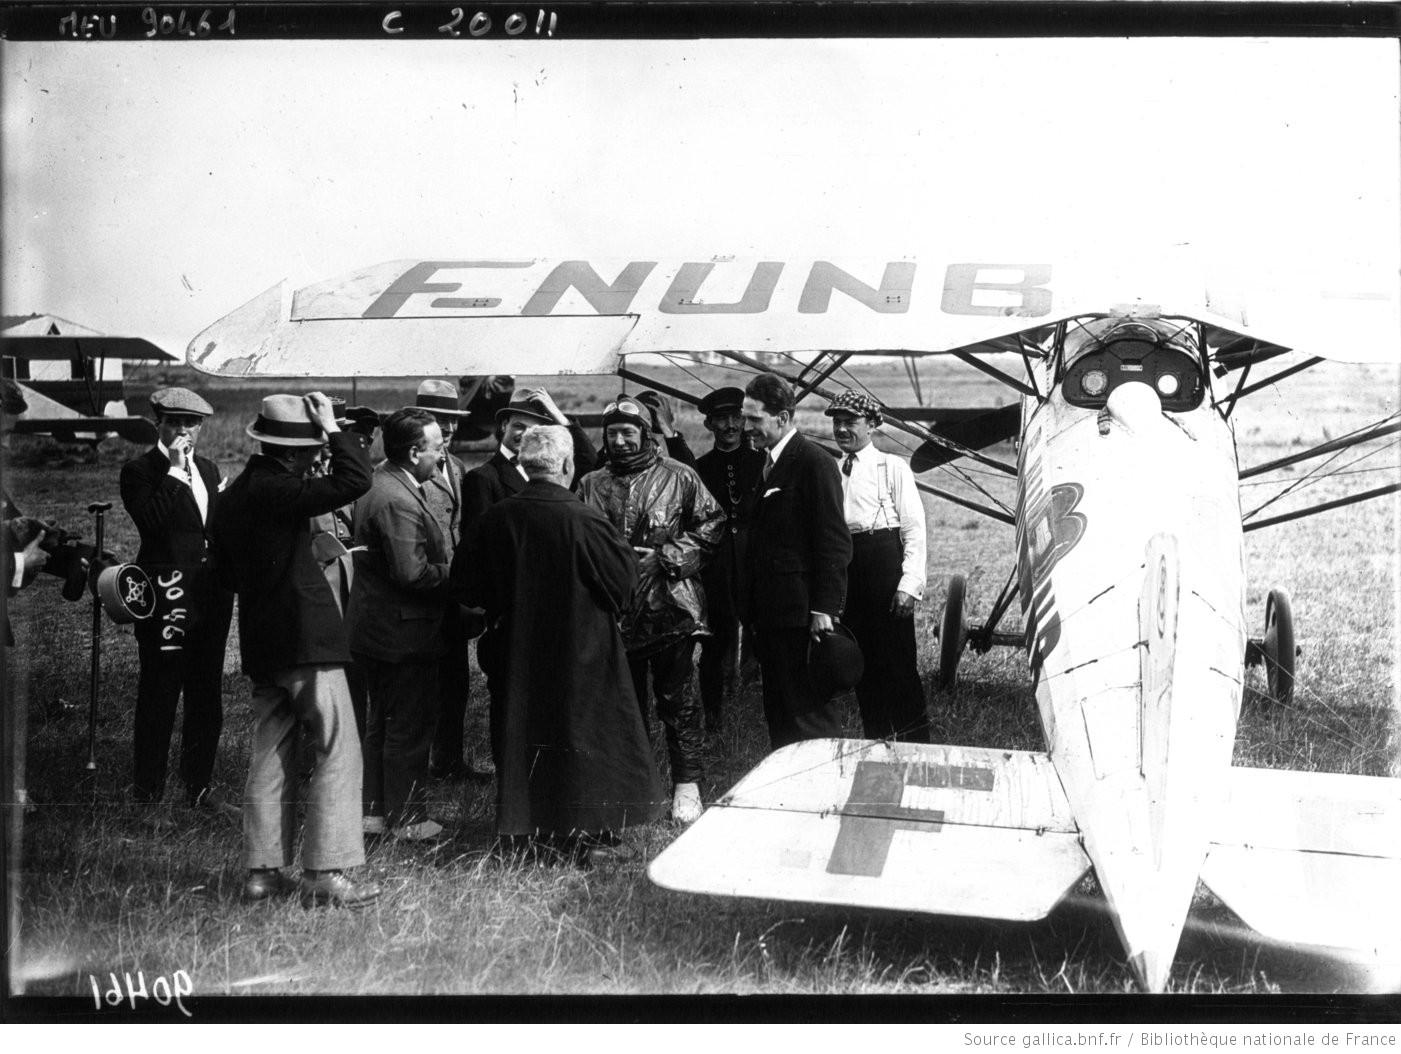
(403, 711)
(890, 693)
(716, 667)
(196, 668)
(677, 706)
(454, 685)
(792, 707)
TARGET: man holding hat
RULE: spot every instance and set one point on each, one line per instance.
(171, 493)
(730, 471)
(663, 510)
(886, 578)
(796, 562)
(502, 476)
(295, 648)
(443, 492)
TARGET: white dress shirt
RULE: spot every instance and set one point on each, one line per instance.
(777, 448)
(191, 478)
(881, 493)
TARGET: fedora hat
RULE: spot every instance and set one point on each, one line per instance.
(835, 663)
(439, 397)
(526, 402)
(284, 421)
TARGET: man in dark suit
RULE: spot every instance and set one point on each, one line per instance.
(796, 562)
(396, 626)
(294, 647)
(502, 476)
(443, 491)
(171, 493)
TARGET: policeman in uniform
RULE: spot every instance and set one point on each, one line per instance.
(886, 578)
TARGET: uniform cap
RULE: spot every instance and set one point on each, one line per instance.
(722, 399)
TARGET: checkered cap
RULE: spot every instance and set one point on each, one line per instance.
(858, 404)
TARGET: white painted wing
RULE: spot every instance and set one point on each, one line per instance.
(277, 335)
(1311, 857)
(945, 830)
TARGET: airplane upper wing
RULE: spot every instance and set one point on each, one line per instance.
(57, 348)
(947, 830)
(536, 316)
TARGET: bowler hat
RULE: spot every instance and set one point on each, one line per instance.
(722, 399)
(439, 397)
(526, 402)
(179, 401)
(835, 663)
(126, 593)
(284, 421)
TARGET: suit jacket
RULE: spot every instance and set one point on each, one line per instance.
(498, 478)
(287, 614)
(799, 546)
(401, 580)
(174, 538)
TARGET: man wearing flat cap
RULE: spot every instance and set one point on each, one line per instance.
(661, 508)
(730, 471)
(886, 578)
(502, 476)
(443, 492)
(294, 647)
(172, 493)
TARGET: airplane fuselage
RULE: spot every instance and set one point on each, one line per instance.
(1132, 589)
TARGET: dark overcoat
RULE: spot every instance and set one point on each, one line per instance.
(570, 748)
(287, 614)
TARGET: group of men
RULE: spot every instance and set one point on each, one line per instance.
(591, 579)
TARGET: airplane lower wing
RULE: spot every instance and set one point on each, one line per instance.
(1311, 857)
(902, 826)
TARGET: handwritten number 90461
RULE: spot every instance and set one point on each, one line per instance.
(164, 991)
(184, 24)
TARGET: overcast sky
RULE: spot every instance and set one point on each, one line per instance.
(151, 188)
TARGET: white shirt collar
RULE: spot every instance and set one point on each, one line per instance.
(777, 448)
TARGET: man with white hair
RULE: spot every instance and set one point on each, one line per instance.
(573, 763)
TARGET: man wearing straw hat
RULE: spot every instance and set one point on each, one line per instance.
(294, 648)
(443, 492)
(171, 493)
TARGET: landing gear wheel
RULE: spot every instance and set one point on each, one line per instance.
(953, 634)
(1279, 648)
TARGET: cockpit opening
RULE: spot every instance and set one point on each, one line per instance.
(1100, 354)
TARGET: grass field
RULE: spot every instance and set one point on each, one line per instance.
(108, 888)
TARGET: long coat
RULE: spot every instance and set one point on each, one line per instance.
(401, 576)
(287, 614)
(570, 749)
(799, 546)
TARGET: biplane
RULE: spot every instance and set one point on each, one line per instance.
(1128, 569)
(71, 378)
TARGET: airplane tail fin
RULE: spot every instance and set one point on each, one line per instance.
(1311, 858)
(914, 827)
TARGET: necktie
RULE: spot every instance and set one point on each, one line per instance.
(846, 465)
(768, 464)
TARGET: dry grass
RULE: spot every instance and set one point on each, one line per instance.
(104, 888)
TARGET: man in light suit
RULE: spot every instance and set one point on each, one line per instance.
(795, 575)
(171, 494)
(396, 623)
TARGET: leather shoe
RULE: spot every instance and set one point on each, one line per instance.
(607, 855)
(335, 889)
(264, 883)
(686, 805)
(425, 831)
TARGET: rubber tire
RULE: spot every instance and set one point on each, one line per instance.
(952, 634)
(1279, 648)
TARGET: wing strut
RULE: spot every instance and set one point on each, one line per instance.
(904, 426)
(806, 387)
(993, 371)
(1324, 448)
(1241, 391)
(665, 389)
(1352, 499)
(986, 510)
